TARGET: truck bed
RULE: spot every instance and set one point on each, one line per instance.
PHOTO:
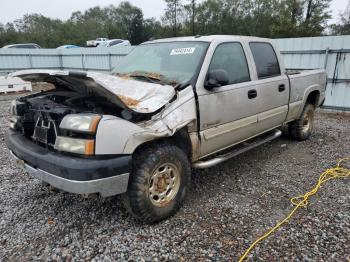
(302, 81)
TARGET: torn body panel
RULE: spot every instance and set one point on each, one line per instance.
(138, 96)
(173, 117)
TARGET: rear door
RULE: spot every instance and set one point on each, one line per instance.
(271, 85)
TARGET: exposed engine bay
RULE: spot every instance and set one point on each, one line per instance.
(68, 117)
(39, 115)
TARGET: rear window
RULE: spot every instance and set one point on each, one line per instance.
(265, 60)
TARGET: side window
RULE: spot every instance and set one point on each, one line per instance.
(231, 57)
(115, 42)
(265, 60)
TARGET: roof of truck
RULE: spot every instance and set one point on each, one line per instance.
(210, 38)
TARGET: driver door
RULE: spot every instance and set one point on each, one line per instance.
(229, 113)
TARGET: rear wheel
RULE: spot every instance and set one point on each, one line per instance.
(158, 183)
(301, 129)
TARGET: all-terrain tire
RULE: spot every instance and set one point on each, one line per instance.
(150, 164)
(301, 129)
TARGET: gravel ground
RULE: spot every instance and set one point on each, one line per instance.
(227, 208)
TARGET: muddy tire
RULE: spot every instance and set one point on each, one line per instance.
(301, 129)
(160, 178)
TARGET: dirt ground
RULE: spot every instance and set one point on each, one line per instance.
(227, 208)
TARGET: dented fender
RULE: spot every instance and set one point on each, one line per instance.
(118, 136)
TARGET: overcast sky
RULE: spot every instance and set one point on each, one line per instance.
(15, 9)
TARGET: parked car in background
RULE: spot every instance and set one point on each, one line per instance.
(67, 46)
(25, 45)
(96, 42)
(115, 42)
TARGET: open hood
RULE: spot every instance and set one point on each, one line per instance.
(139, 96)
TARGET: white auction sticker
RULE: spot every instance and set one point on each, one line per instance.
(183, 51)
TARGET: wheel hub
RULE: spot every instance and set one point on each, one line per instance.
(307, 122)
(164, 184)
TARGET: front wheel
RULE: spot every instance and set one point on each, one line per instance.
(158, 183)
(302, 128)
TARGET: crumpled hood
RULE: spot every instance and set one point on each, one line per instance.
(139, 96)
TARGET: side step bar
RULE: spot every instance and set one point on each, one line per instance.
(222, 158)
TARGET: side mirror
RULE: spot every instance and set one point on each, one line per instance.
(216, 78)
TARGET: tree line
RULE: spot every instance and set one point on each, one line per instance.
(265, 18)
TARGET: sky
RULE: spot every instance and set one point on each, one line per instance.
(15, 9)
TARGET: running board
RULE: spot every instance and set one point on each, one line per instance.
(222, 158)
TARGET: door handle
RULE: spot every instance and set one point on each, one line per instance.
(281, 88)
(252, 94)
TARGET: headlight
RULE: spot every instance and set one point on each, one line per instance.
(80, 123)
(75, 145)
(85, 123)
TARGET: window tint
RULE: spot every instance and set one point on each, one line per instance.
(265, 60)
(231, 57)
(23, 46)
(115, 42)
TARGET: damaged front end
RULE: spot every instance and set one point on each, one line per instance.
(99, 114)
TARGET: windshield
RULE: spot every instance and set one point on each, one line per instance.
(174, 62)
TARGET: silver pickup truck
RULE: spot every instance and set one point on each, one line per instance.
(169, 106)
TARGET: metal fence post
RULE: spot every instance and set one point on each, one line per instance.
(110, 61)
(326, 58)
(30, 60)
(60, 59)
(82, 61)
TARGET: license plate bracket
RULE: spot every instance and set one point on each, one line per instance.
(40, 134)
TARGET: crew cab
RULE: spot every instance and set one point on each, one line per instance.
(169, 106)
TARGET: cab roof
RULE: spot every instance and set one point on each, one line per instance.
(209, 38)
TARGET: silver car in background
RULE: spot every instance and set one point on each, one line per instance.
(24, 45)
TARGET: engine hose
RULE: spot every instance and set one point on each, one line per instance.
(337, 172)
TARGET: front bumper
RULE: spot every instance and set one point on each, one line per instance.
(107, 176)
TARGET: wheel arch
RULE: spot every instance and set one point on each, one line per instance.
(180, 139)
(313, 98)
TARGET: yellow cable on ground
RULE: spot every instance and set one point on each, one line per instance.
(300, 201)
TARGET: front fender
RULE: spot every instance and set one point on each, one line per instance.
(112, 135)
(118, 136)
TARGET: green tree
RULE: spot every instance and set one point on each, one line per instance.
(267, 18)
(317, 14)
(173, 16)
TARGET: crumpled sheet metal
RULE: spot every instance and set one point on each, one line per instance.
(139, 96)
(142, 97)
